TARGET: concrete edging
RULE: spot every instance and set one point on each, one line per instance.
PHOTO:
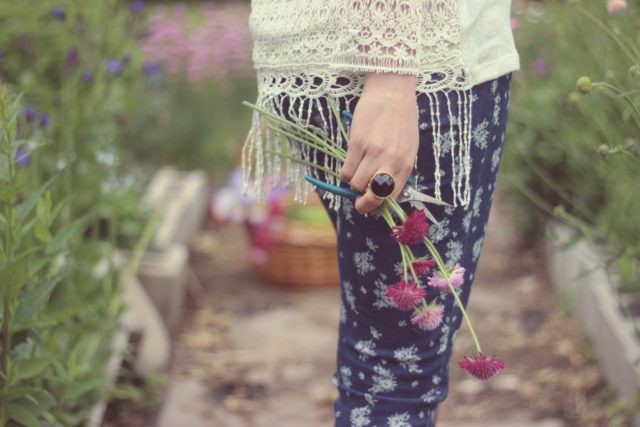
(587, 293)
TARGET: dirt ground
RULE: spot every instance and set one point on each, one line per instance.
(251, 354)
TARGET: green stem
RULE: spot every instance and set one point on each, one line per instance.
(324, 149)
(445, 270)
(617, 39)
(304, 162)
(338, 119)
(286, 123)
(626, 97)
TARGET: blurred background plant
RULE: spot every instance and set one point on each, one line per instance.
(204, 54)
(78, 66)
(572, 149)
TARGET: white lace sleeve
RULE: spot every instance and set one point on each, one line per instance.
(379, 36)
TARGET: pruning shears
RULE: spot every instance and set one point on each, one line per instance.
(408, 194)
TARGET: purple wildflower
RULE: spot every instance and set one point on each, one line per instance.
(72, 57)
(29, 113)
(114, 67)
(137, 6)
(150, 68)
(86, 76)
(44, 120)
(22, 158)
(59, 14)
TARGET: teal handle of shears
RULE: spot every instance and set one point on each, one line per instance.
(340, 191)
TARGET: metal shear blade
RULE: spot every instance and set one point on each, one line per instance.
(409, 194)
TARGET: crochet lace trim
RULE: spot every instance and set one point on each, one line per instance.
(308, 49)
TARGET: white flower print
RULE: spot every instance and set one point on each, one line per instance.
(361, 376)
(366, 349)
(380, 291)
(495, 158)
(445, 141)
(476, 201)
(370, 244)
(407, 357)
(477, 246)
(343, 312)
(454, 252)
(383, 380)
(444, 339)
(436, 379)
(363, 290)
(466, 221)
(496, 111)
(494, 86)
(398, 269)
(431, 396)
(345, 376)
(363, 262)
(347, 210)
(369, 398)
(399, 420)
(437, 232)
(481, 133)
(348, 295)
(375, 333)
(360, 416)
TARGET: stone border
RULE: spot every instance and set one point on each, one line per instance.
(587, 293)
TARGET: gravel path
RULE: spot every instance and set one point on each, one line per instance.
(251, 355)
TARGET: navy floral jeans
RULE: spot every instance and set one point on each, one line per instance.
(389, 373)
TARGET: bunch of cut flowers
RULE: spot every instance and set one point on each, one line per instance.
(409, 293)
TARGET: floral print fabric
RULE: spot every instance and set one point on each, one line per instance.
(390, 373)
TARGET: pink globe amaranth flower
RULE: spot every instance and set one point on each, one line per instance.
(405, 295)
(423, 266)
(440, 282)
(413, 230)
(481, 366)
(616, 6)
(429, 318)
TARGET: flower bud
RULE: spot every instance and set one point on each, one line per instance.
(573, 98)
(603, 150)
(559, 211)
(634, 71)
(583, 84)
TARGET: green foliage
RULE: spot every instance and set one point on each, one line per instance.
(195, 127)
(65, 210)
(572, 148)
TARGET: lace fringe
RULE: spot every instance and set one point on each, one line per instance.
(263, 148)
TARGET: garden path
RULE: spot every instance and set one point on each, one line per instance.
(251, 355)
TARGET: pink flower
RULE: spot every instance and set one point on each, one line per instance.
(413, 230)
(422, 266)
(405, 295)
(616, 6)
(482, 367)
(440, 282)
(515, 24)
(541, 67)
(428, 319)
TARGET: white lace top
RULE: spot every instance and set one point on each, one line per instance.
(302, 48)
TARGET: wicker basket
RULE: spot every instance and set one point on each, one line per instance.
(301, 256)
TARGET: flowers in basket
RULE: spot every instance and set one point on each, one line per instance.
(420, 275)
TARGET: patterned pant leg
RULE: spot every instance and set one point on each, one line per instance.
(389, 373)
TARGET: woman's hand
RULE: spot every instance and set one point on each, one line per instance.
(384, 135)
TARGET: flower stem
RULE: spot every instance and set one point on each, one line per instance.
(447, 275)
(304, 162)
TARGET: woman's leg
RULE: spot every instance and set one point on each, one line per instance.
(388, 372)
